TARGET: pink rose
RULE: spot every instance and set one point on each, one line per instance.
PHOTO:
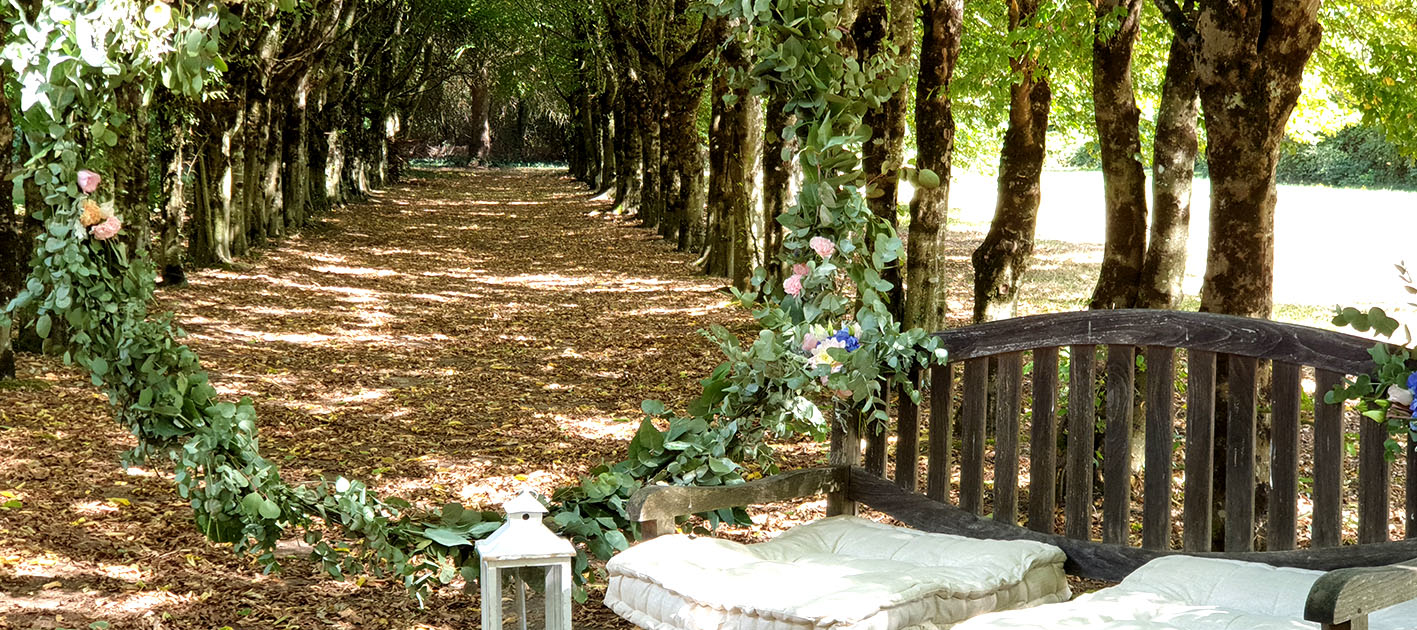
(106, 230)
(88, 181)
(793, 285)
(800, 269)
(809, 342)
(822, 246)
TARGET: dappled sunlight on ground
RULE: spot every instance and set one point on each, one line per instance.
(462, 336)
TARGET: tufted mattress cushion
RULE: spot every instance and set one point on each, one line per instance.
(838, 573)
(1186, 593)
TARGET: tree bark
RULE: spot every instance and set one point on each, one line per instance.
(1173, 171)
(1250, 68)
(734, 141)
(926, 265)
(1001, 260)
(480, 102)
(684, 159)
(1115, 28)
(608, 129)
(651, 197)
(780, 177)
(14, 254)
(879, 27)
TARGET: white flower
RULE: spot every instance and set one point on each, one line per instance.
(1399, 395)
(821, 357)
(158, 14)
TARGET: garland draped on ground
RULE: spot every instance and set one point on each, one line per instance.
(828, 335)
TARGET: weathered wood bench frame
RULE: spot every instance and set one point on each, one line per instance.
(1361, 578)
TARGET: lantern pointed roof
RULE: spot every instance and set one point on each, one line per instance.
(524, 503)
(524, 537)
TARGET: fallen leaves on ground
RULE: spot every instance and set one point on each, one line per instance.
(458, 337)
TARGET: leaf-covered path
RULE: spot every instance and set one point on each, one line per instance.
(462, 335)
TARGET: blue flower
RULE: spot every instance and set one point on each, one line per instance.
(845, 336)
(1412, 385)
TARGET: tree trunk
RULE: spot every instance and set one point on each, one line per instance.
(878, 27)
(172, 191)
(779, 182)
(684, 157)
(14, 253)
(480, 102)
(1001, 260)
(272, 195)
(129, 172)
(926, 265)
(734, 137)
(1173, 169)
(608, 129)
(629, 180)
(1250, 67)
(651, 197)
(1118, 135)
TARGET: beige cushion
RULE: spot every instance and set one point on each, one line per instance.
(838, 573)
(1187, 593)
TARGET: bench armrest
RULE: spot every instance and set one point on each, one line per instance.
(1345, 596)
(654, 507)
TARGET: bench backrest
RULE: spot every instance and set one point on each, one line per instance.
(986, 375)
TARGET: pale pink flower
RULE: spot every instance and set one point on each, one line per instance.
(823, 247)
(800, 269)
(809, 342)
(106, 230)
(793, 285)
(88, 181)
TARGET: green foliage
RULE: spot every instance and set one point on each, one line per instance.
(1369, 57)
(1357, 156)
(1394, 374)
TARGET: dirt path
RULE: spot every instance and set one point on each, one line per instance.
(456, 338)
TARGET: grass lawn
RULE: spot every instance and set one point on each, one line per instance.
(1332, 246)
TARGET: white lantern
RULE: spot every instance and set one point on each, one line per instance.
(521, 547)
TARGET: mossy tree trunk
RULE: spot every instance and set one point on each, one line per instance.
(1002, 259)
(1115, 29)
(925, 299)
(1173, 171)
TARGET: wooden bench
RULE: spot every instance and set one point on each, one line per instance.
(1375, 573)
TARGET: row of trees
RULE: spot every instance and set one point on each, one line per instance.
(649, 72)
(299, 113)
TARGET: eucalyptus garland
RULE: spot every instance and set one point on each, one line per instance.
(827, 334)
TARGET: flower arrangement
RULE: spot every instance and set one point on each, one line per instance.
(100, 221)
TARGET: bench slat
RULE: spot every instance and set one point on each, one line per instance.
(1410, 516)
(876, 434)
(1006, 418)
(1043, 442)
(1373, 482)
(1156, 499)
(937, 482)
(976, 397)
(1117, 444)
(1328, 462)
(1240, 454)
(1082, 418)
(907, 446)
(1200, 450)
(1282, 533)
(845, 451)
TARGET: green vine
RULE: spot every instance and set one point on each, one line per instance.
(827, 332)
